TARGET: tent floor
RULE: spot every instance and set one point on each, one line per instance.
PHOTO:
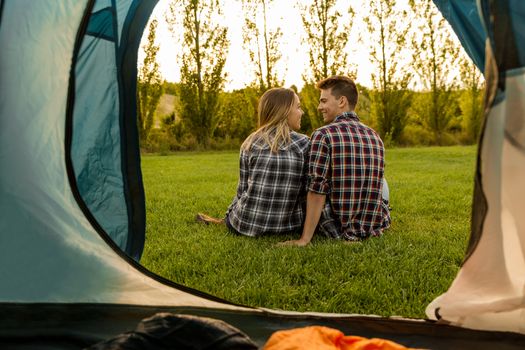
(75, 326)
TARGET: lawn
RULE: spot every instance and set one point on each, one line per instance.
(397, 274)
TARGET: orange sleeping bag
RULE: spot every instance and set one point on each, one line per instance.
(324, 338)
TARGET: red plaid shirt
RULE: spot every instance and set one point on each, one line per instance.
(347, 164)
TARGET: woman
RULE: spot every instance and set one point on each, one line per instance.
(273, 163)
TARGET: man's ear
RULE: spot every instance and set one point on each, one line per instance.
(342, 102)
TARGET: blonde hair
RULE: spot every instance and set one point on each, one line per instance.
(274, 107)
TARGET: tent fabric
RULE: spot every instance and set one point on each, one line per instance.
(50, 250)
(71, 218)
(165, 331)
(104, 146)
(463, 16)
(23, 327)
(489, 290)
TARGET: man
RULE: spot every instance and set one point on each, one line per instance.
(345, 172)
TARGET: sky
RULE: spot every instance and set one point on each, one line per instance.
(294, 52)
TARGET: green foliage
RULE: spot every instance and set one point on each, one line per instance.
(415, 134)
(177, 136)
(263, 44)
(391, 99)
(236, 119)
(204, 54)
(364, 105)
(159, 141)
(389, 108)
(170, 88)
(471, 101)
(397, 274)
(312, 119)
(326, 38)
(434, 56)
(237, 115)
(438, 113)
(149, 85)
(471, 105)
(207, 117)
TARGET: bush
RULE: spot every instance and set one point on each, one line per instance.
(158, 141)
(226, 144)
(416, 135)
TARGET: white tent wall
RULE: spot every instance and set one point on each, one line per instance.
(489, 290)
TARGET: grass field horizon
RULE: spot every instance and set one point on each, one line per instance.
(397, 274)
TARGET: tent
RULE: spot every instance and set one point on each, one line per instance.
(72, 213)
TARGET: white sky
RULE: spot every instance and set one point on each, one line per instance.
(294, 53)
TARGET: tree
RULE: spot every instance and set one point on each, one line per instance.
(262, 43)
(364, 105)
(237, 114)
(326, 37)
(434, 53)
(204, 50)
(312, 119)
(391, 97)
(471, 100)
(150, 85)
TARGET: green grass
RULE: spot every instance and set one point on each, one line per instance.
(397, 274)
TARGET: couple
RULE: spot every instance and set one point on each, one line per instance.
(331, 184)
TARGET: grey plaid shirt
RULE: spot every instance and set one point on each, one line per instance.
(271, 193)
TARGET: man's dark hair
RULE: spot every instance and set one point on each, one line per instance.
(341, 86)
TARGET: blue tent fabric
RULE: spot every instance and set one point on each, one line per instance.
(463, 16)
(104, 148)
(133, 27)
(101, 24)
(499, 21)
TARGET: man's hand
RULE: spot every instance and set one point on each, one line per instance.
(296, 242)
(314, 207)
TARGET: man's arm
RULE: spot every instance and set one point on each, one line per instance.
(314, 207)
(319, 164)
